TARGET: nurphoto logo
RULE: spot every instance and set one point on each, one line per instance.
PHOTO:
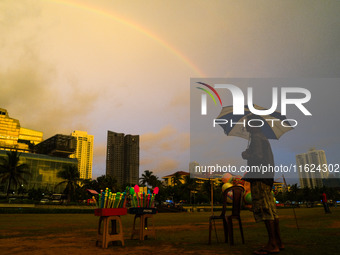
(239, 107)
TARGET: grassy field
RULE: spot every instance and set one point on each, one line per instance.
(185, 233)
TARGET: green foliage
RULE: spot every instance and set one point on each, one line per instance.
(91, 184)
(149, 179)
(107, 181)
(101, 183)
(177, 179)
(12, 171)
(72, 179)
(191, 191)
(307, 195)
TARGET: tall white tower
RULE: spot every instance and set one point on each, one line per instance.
(84, 153)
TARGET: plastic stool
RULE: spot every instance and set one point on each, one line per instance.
(144, 230)
(108, 236)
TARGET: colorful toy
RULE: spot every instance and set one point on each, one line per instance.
(237, 180)
(230, 180)
(226, 177)
(148, 202)
(155, 192)
(132, 197)
(109, 199)
(230, 197)
(226, 186)
(247, 198)
(123, 203)
(141, 196)
(100, 199)
(136, 188)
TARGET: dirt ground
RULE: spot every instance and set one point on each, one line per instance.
(83, 241)
(72, 244)
(78, 243)
(76, 234)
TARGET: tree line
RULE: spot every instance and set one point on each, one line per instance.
(12, 173)
(183, 189)
(307, 195)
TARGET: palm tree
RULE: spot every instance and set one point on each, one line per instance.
(12, 171)
(206, 190)
(155, 182)
(71, 176)
(147, 178)
(107, 181)
(177, 178)
(190, 186)
(190, 183)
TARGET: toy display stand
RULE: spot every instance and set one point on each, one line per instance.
(144, 230)
(108, 215)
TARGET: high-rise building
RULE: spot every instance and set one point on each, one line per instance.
(33, 136)
(84, 153)
(58, 145)
(13, 136)
(115, 156)
(122, 157)
(312, 168)
(131, 146)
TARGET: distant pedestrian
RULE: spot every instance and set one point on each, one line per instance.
(325, 203)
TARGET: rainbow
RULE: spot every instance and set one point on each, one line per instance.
(130, 23)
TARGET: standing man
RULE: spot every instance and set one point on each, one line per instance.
(260, 154)
(325, 203)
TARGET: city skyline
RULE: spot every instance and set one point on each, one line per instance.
(124, 66)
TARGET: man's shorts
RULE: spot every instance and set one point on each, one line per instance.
(264, 206)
